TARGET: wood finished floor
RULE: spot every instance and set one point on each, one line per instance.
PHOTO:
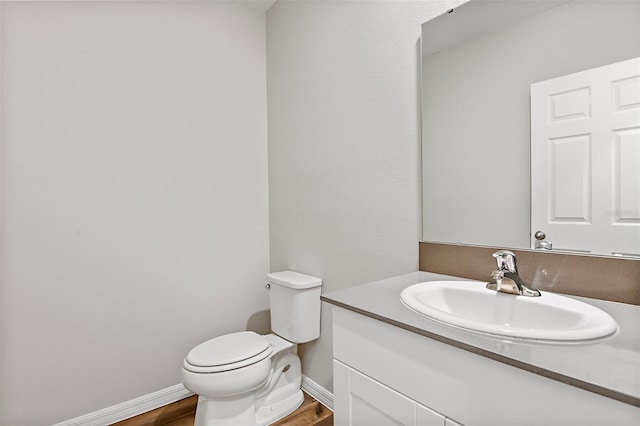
(182, 413)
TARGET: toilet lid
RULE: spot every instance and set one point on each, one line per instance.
(225, 352)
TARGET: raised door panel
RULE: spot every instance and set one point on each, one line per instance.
(570, 187)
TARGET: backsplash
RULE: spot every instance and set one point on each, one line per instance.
(606, 278)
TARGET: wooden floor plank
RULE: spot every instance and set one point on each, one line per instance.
(164, 415)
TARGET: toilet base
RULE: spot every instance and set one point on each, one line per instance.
(266, 415)
(278, 396)
(216, 412)
(248, 411)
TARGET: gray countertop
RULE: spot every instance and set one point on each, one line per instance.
(609, 366)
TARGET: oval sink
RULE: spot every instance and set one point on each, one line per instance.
(468, 304)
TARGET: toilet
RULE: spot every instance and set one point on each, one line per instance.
(245, 378)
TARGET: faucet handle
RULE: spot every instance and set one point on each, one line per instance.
(506, 260)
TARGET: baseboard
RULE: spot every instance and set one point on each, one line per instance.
(318, 392)
(130, 408)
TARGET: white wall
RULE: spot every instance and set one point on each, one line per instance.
(344, 144)
(134, 196)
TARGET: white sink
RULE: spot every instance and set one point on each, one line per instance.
(468, 304)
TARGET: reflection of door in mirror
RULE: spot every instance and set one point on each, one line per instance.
(585, 160)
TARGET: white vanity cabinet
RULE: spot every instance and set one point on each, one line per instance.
(387, 375)
(360, 400)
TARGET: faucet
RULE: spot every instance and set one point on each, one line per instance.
(506, 278)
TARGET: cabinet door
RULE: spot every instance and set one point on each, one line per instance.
(362, 401)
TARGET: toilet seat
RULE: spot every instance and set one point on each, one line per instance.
(228, 352)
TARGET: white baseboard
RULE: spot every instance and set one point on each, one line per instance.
(131, 408)
(318, 392)
(149, 402)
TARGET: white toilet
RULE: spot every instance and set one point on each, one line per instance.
(247, 379)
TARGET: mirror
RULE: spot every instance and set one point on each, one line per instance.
(479, 62)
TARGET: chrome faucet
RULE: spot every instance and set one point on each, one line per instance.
(506, 278)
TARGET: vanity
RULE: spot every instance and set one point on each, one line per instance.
(395, 366)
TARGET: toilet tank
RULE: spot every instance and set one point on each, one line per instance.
(295, 305)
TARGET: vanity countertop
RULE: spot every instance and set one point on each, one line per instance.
(609, 366)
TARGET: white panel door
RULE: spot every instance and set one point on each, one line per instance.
(585, 160)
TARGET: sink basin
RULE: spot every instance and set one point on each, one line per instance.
(468, 304)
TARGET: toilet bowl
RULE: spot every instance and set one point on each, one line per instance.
(249, 379)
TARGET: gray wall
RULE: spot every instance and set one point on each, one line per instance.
(476, 162)
(134, 196)
(344, 144)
